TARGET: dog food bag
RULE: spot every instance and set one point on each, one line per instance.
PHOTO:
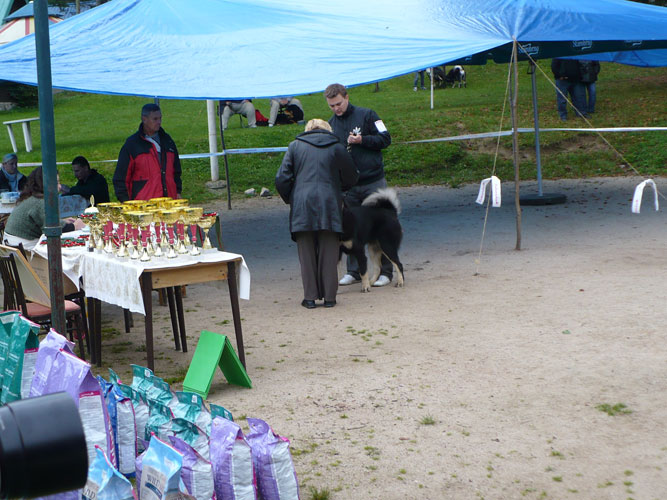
(121, 416)
(220, 411)
(161, 392)
(276, 476)
(105, 482)
(159, 420)
(49, 349)
(141, 412)
(231, 457)
(19, 366)
(161, 472)
(191, 434)
(141, 379)
(191, 407)
(6, 324)
(197, 472)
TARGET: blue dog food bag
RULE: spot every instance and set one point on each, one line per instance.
(161, 472)
(105, 482)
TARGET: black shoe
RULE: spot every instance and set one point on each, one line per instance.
(308, 304)
(329, 303)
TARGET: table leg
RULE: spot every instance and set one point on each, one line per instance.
(146, 289)
(127, 316)
(236, 315)
(181, 317)
(92, 334)
(27, 137)
(172, 314)
(98, 331)
(12, 139)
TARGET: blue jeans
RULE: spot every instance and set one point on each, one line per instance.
(577, 94)
(417, 75)
(590, 90)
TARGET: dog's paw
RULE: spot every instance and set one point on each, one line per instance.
(399, 284)
(365, 289)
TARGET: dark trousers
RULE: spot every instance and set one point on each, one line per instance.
(353, 198)
(318, 256)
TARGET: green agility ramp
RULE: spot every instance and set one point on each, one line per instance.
(214, 350)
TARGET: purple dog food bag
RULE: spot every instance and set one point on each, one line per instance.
(276, 476)
(197, 472)
(231, 457)
(49, 349)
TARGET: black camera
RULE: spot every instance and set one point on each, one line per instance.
(42, 447)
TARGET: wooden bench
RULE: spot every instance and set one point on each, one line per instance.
(25, 123)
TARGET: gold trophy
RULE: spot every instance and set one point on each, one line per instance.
(143, 220)
(170, 217)
(161, 202)
(95, 240)
(133, 219)
(106, 214)
(206, 222)
(191, 216)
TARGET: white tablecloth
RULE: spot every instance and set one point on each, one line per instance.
(116, 281)
(71, 257)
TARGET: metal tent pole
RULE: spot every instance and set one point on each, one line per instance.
(52, 228)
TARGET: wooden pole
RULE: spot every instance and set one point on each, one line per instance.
(515, 144)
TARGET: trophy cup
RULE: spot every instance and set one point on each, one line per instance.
(161, 202)
(206, 222)
(170, 217)
(105, 211)
(155, 248)
(191, 216)
(95, 240)
(144, 220)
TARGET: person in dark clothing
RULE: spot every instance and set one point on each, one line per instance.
(148, 164)
(589, 71)
(365, 136)
(315, 171)
(10, 177)
(89, 182)
(568, 82)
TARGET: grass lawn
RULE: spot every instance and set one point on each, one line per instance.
(97, 125)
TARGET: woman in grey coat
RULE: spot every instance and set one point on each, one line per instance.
(312, 177)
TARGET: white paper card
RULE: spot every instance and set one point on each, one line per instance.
(639, 191)
(380, 126)
(495, 191)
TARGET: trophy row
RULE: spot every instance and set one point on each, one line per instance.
(139, 229)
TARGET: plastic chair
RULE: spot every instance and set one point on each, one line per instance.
(13, 278)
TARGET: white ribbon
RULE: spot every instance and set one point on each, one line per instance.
(639, 191)
(495, 191)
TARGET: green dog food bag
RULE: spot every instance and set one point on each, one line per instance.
(19, 366)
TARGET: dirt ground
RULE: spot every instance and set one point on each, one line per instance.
(485, 377)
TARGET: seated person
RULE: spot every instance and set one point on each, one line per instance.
(285, 110)
(10, 177)
(242, 107)
(26, 222)
(90, 182)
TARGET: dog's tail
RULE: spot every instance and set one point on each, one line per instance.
(384, 198)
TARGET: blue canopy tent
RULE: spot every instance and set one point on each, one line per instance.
(220, 49)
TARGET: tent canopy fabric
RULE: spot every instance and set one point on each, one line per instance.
(231, 49)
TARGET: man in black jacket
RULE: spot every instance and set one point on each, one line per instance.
(365, 136)
(90, 182)
(568, 81)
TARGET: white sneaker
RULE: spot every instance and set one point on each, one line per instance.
(348, 279)
(270, 124)
(382, 281)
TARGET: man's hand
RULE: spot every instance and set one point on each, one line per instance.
(63, 189)
(354, 139)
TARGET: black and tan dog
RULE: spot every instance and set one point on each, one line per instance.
(374, 224)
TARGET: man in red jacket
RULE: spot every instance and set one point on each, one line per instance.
(148, 164)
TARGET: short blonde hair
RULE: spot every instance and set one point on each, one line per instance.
(318, 123)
